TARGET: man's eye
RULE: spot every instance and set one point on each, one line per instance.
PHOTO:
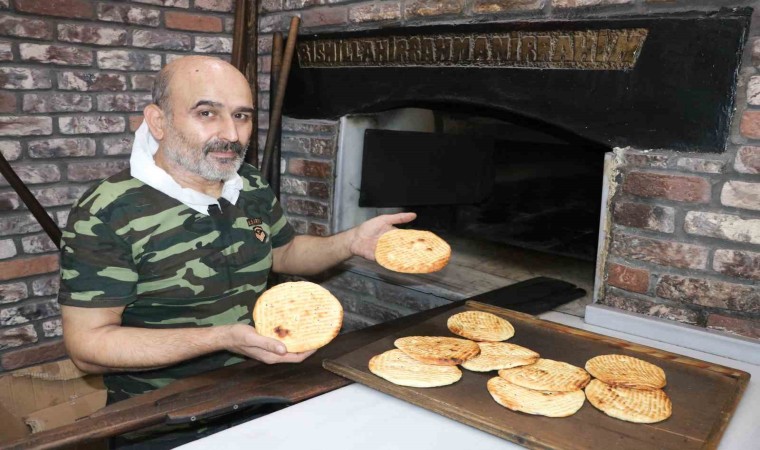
(242, 116)
(206, 113)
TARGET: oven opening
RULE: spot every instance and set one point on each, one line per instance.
(515, 198)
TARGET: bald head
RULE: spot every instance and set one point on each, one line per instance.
(188, 69)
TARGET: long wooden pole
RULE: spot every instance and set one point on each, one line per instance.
(252, 72)
(274, 77)
(37, 210)
(240, 36)
(275, 115)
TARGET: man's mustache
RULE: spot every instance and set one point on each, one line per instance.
(219, 146)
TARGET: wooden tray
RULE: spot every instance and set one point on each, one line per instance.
(704, 395)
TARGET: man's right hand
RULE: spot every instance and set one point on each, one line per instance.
(244, 340)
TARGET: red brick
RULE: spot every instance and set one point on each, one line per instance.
(165, 40)
(271, 5)
(723, 226)
(741, 326)
(24, 267)
(77, 9)
(91, 124)
(25, 27)
(710, 293)
(740, 194)
(142, 82)
(56, 102)
(737, 263)
(13, 292)
(35, 173)
(216, 5)
(92, 34)
(24, 78)
(664, 253)
(306, 208)
(25, 125)
(318, 229)
(648, 217)
(47, 351)
(307, 168)
(6, 51)
(193, 22)
(8, 102)
(55, 54)
(91, 81)
(375, 12)
(586, 3)
(320, 17)
(95, 170)
(129, 14)
(651, 308)
(59, 196)
(628, 278)
(748, 159)
(670, 187)
(128, 102)
(427, 8)
(59, 148)
(750, 124)
(319, 190)
(16, 337)
(495, 6)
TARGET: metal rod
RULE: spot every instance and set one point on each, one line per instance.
(37, 210)
(275, 116)
(251, 72)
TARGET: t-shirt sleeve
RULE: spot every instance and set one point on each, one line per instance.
(97, 269)
(282, 231)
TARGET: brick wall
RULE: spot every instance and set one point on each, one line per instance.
(685, 228)
(75, 75)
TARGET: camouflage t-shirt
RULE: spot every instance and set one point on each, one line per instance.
(127, 244)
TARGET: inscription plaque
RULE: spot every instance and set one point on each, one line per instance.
(604, 49)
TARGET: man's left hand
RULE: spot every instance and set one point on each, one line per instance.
(366, 235)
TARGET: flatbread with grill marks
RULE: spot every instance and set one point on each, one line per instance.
(626, 371)
(412, 251)
(500, 355)
(543, 403)
(440, 351)
(547, 375)
(631, 405)
(302, 315)
(398, 368)
(480, 326)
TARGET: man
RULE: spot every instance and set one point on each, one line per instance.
(162, 263)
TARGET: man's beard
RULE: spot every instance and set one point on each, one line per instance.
(187, 155)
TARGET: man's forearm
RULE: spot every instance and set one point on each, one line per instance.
(309, 255)
(115, 348)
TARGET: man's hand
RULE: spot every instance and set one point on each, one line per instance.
(366, 235)
(245, 341)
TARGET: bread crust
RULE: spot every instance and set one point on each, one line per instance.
(412, 251)
(302, 315)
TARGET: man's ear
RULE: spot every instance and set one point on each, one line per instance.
(156, 121)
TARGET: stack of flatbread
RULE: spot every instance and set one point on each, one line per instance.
(628, 388)
(546, 387)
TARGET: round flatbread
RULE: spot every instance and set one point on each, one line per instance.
(398, 368)
(543, 403)
(412, 251)
(303, 315)
(632, 405)
(500, 355)
(480, 326)
(440, 351)
(626, 371)
(547, 375)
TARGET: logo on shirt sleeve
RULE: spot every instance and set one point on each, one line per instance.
(258, 231)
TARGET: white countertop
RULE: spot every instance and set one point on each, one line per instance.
(358, 417)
